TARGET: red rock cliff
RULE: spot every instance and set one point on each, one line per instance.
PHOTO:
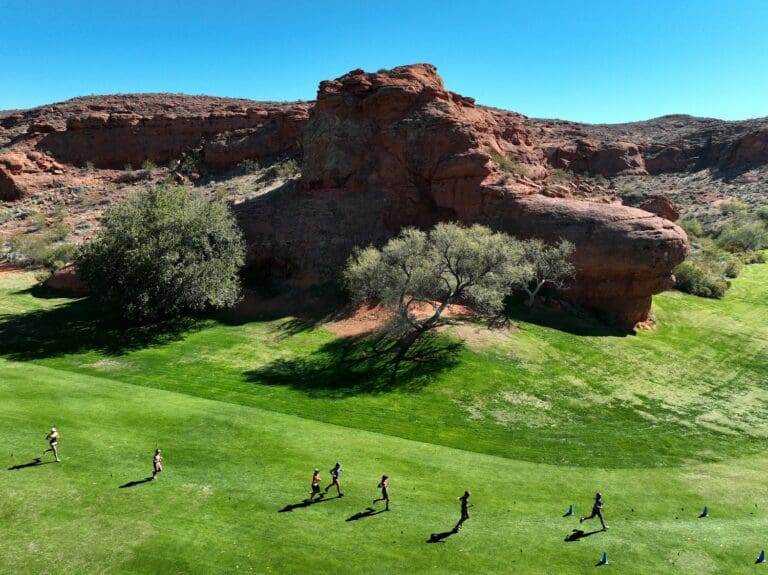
(396, 148)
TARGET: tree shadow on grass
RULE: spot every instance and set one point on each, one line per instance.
(79, 326)
(362, 365)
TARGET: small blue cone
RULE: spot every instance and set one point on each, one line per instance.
(705, 513)
(569, 512)
(761, 557)
(603, 559)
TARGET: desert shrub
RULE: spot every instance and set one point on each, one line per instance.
(510, 166)
(249, 166)
(732, 268)
(40, 250)
(286, 169)
(762, 214)
(561, 175)
(743, 236)
(754, 258)
(695, 279)
(148, 166)
(691, 226)
(164, 252)
(89, 167)
(734, 208)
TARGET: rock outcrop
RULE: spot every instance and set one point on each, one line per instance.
(395, 148)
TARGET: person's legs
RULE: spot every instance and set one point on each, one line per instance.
(600, 516)
(586, 518)
(55, 450)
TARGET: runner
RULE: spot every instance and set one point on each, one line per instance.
(464, 511)
(597, 510)
(335, 472)
(53, 440)
(315, 485)
(157, 464)
(384, 486)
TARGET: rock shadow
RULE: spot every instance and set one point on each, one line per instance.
(362, 365)
(574, 320)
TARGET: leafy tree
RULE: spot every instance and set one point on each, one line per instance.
(163, 252)
(546, 264)
(436, 268)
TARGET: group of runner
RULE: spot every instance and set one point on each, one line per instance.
(53, 447)
(157, 467)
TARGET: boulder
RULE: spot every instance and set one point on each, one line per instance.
(67, 280)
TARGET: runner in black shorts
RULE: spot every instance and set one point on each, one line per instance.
(384, 486)
(597, 511)
(335, 472)
(315, 490)
(465, 505)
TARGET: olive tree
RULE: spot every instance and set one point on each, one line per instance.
(163, 252)
(446, 264)
(546, 264)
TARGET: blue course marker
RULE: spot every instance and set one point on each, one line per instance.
(569, 512)
(705, 513)
(603, 559)
(761, 557)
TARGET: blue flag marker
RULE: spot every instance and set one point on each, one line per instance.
(569, 512)
(761, 557)
(603, 559)
(705, 513)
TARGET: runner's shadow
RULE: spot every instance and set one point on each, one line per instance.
(578, 534)
(34, 463)
(440, 537)
(369, 512)
(305, 503)
(135, 483)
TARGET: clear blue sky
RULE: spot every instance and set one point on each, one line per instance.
(593, 61)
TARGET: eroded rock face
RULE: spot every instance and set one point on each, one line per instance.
(395, 148)
(119, 136)
(67, 280)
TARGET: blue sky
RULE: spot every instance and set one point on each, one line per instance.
(593, 61)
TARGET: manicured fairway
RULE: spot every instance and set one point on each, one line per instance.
(662, 423)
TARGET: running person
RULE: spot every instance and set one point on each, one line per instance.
(597, 510)
(335, 472)
(53, 440)
(384, 486)
(157, 464)
(315, 485)
(465, 505)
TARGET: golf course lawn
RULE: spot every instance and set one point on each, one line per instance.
(531, 419)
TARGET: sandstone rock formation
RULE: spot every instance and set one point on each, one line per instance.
(396, 148)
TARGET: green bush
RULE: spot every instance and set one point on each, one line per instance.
(286, 169)
(148, 166)
(694, 279)
(41, 250)
(754, 258)
(508, 165)
(734, 208)
(743, 236)
(163, 252)
(691, 226)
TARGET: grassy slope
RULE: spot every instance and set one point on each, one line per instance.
(232, 465)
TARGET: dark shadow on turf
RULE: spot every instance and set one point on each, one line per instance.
(79, 326)
(441, 537)
(34, 463)
(578, 534)
(362, 365)
(574, 320)
(301, 504)
(135, 483)
(369, 512)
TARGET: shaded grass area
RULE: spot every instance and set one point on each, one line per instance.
(693, 390)
(229, 470)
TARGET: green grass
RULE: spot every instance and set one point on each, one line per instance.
(531, 420)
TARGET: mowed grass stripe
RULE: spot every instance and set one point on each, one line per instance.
(568, 392)
(229, 469)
